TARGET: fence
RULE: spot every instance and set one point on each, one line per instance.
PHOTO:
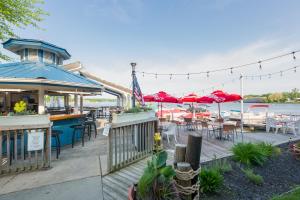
(15, 156)
(129, 142)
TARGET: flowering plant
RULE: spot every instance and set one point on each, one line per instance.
(20, 107)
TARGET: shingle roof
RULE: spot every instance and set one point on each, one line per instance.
(37, 70)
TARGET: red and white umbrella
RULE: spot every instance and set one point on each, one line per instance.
(161, 97)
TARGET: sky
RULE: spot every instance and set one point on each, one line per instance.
(173, 36)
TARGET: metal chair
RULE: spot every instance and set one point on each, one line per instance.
(229, 130)
(81, 128)
(55, 134)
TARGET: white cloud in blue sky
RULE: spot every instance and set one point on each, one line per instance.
(175, 36)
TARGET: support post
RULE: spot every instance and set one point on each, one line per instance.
(242, 104)
(75, 103)
(41, 108)
(133, 83)
(81, 103)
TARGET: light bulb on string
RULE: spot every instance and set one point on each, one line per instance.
(281, 73)
(155, 76)
(294, 57)
(170, 76)
(207, 74)
(231, 70)
(188, 76)
(295, 69)
(143, 74)
(260, 67)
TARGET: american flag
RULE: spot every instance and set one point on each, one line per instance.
(137, 91)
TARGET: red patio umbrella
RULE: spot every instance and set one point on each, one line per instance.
(205, 99)
(190, 98)
(220, 97)
(161, 97)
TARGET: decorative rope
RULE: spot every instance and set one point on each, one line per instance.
(185, 176)
(188, 190)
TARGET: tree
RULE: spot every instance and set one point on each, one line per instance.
(276, 97)
(18, 14)
(295, 94)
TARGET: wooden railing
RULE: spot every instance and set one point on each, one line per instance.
(130, 142)
(14, 154)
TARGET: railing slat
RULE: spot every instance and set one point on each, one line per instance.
(1, 161)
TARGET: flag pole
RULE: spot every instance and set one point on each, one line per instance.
(242, 104)
(133, 65)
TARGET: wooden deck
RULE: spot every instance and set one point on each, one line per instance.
(115, 185)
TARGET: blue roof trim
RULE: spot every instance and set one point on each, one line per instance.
(49, 84)
(34, 70)
(38, 43)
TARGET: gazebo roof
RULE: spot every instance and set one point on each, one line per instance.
(36, 73)
(16, 44)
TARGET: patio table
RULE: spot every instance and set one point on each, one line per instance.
(219, 126)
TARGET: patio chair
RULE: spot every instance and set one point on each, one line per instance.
(272, 123)
(189, 123)
(229, 131)
(171, 131)
(208, 128)
(294, 126)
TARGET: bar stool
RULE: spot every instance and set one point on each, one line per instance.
(81, 126)
(90, 122)
(55, 134)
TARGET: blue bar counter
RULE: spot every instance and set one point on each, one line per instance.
(64, 123)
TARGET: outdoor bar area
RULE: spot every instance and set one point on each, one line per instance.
(27, 89)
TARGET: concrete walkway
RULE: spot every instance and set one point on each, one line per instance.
(82, 189)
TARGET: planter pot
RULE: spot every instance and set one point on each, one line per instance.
(132, 192)
(129, 117)
(295, 150)
(24, 120)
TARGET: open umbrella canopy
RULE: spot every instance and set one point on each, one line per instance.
(162, 97)
(205, 99)
(190, 98)
(220, 97)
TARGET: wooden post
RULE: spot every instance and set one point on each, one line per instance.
(184, 167)
(180, 151)
(193, 150)
(41, 108)
(81, 103)
(75, 103)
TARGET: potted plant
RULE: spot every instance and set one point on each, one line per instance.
(157, 182)
(295, 149)
(133, 114)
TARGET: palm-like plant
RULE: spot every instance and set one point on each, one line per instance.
(157, 181)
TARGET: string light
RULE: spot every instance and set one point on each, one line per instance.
(294, 57)
(207, 74)
(170, 76)
(188, 76)
(155, 76)
(260, 67)
(230, 68)
(143, 74)
(295, 69)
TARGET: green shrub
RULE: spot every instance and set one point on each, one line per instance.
(291, 195)
(254, 178)
(248, 154)
(254, 154)
(211, 180)
(157, 180)
(137, 109)
(222, 165)
(268, 149)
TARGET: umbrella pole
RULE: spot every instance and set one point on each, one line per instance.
(161, 110)
(219, 110)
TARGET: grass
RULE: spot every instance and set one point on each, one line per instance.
(254, 178)
(254, 154)
(291, 195)
(211, 180)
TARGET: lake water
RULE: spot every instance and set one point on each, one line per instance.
(274, 108)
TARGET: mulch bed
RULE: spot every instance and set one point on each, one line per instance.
(280, 175)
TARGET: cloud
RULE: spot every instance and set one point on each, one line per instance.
(119, 70)
(125, 11)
